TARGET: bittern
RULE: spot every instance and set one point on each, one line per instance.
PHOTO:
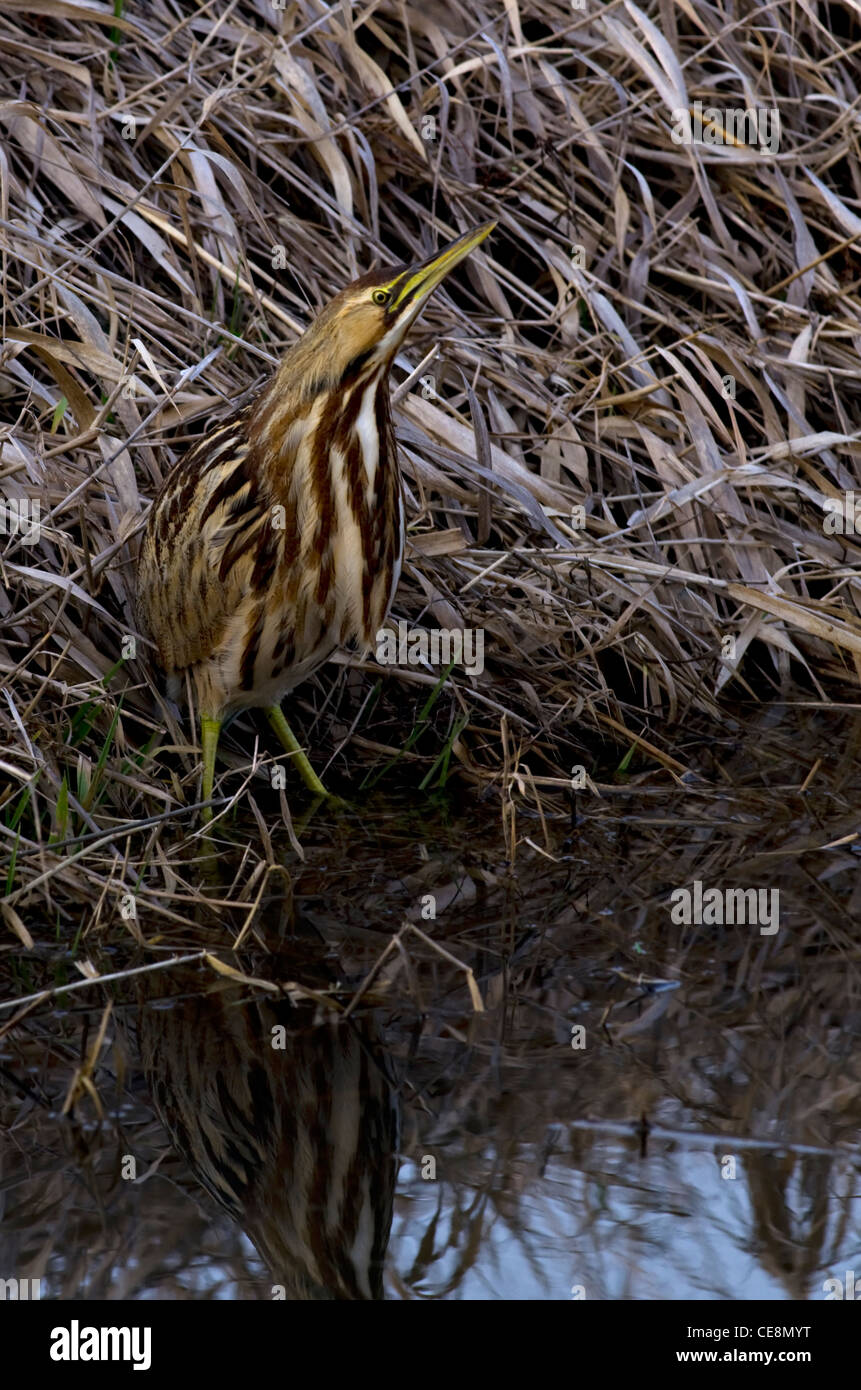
(279, 536)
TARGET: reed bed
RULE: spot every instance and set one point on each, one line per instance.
(629, 431)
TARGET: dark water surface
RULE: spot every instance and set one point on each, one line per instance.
(644, 1108)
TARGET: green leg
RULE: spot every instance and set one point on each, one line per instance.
(209, 731)
(275, 715)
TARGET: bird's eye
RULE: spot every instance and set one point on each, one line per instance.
(380, 296)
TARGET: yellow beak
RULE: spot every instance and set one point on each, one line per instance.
(414, 286)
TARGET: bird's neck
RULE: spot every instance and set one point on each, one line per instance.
(299, 417)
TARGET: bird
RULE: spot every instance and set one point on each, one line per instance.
(279, 536)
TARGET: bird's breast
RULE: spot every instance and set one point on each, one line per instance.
(338, 502)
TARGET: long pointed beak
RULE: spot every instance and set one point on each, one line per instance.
(419, 281)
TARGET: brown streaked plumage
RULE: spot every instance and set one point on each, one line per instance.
(279, 536)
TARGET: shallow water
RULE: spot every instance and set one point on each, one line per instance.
(700, 1139)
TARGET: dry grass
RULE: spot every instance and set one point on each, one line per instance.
(182, 186)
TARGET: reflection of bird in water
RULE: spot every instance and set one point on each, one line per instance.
(291, 1125)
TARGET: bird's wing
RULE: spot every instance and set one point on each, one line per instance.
(208, 537)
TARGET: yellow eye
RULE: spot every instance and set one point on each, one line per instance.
(380, 296)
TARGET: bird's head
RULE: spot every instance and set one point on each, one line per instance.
(366, 323)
